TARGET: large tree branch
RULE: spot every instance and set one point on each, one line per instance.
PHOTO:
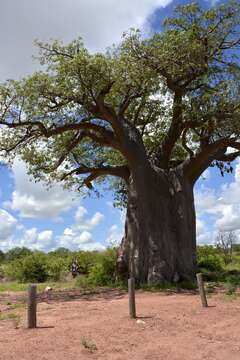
(228, 157)
(173, 133)
(95, 172)
(95, 132)
(194, 167)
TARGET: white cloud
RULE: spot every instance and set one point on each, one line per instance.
(30, 238)
(87, 224)
(78, 236)
(200, 227)
(100, 23)
(35, 240)
(45, 238)
(68, 232)
(34, 200)
(93, 246)
(114, 236)
(8, 225)
(223, 204)
(79, 241)
(207, 238)
(80, 213)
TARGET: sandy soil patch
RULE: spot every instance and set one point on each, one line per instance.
(172, 327)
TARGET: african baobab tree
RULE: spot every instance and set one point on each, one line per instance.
(154, 113)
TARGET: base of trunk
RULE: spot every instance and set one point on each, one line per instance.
(160, 242)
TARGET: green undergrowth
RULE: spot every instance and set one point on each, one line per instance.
(170, 288)
(16, 287)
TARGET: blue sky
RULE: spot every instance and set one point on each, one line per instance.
(44, 219)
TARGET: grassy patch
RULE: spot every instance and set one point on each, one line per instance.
(230, 296)
(15, 306)
(169, 288)
(15, 286)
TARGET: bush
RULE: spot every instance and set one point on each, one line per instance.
(230, 288)
(209, 259)
(60, 252)
(86, 260)
(56, 267)
(17, 253)
(233, 279)
(2, 256)
(29, 269)
(102, 273)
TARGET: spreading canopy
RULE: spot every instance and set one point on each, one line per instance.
(174, 98)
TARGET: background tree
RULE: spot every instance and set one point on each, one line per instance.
(2, 256)
(224, 242)
(155, 113)
(17, 253)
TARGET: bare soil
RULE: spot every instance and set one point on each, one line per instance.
(73, 325)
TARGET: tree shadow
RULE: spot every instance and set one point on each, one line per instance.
(45, 327)
(79, 294)
(144, 317)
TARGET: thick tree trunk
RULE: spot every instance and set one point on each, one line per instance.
(160, 241)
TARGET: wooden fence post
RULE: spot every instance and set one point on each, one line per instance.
(131, 295)
(32, 306)
(202, 290)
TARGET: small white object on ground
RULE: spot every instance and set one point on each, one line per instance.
(140, 321)
(48, 288)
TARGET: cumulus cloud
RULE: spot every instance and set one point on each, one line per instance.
(200, 227)
(78, 241)
(223, 204)
(207, 238)
(114, 236)
(23, 237)
(99, 23)
(8, 225)
(32, 239)
(78, 235)
(34, 200)
(87, 224)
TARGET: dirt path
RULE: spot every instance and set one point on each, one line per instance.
(172, 327)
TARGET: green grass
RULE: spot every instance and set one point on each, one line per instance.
(230, 296)
(15, 306)
(15, 286)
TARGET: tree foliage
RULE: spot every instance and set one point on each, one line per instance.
(16, 253)
(172, 99)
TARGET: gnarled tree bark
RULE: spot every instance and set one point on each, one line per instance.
(159, 244)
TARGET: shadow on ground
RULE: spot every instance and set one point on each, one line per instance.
(65, 295)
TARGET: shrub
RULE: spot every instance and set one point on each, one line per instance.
(2, 256)
(29, 269)
(233, 279)
(86, 260)
(56, 267)
(209, 259)
(230, 288)
(60, 252)
(17, 253)
(102, 273)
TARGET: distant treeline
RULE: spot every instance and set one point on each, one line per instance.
(218, 263)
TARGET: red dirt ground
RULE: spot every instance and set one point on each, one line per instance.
(175, 327)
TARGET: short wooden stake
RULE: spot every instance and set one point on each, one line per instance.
(131, 295)
(32, 306)
(202, 290)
